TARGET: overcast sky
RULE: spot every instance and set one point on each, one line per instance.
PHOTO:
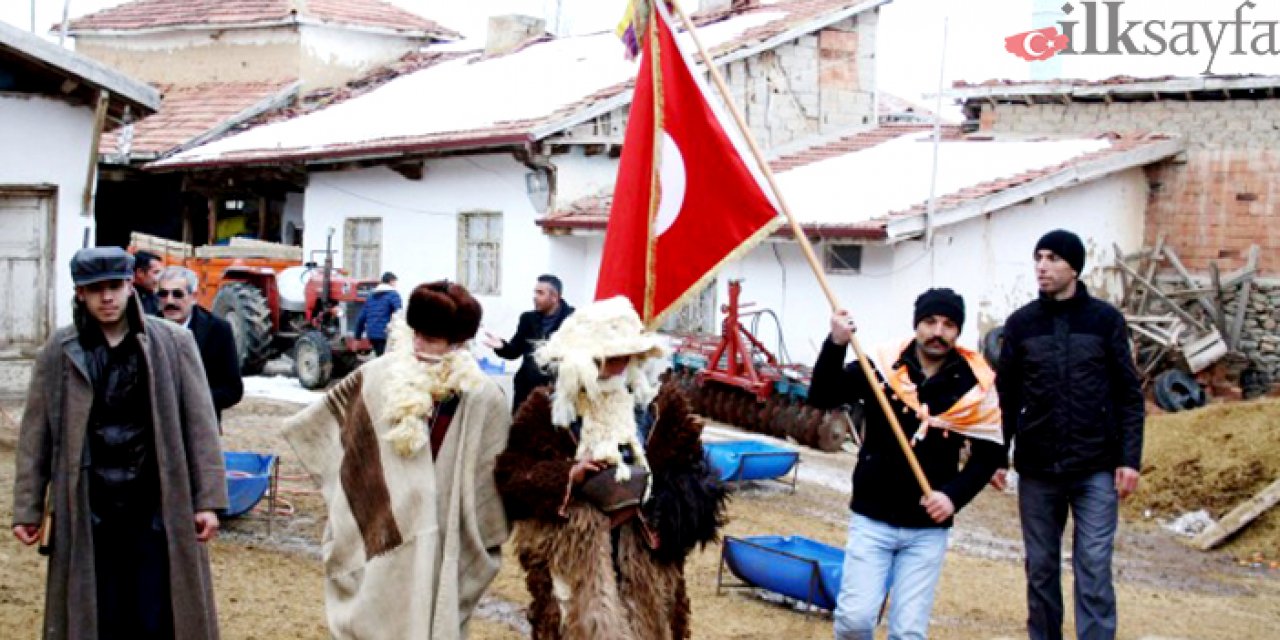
(910, 36)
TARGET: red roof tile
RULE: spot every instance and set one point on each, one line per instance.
(153, 14)
(188, 112)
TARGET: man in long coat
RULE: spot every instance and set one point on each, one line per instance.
(120, 432)
(403, 450)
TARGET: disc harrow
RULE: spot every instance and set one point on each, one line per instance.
(733, 378)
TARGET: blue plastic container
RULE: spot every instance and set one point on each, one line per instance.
(248, 478)
(749, 460)
(794, 566)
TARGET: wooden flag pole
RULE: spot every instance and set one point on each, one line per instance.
(805, 246)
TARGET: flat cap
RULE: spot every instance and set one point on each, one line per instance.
(99, 264)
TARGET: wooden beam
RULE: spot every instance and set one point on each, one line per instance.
(1160, 294)
(1240, 516)
(1152, 266)
(1242, 302)
(1208, 305)
(262, 217)
(1215, 283)
(91, 176)
(213, 219)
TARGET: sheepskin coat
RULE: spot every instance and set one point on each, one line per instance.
(589, 580)
(412, 539)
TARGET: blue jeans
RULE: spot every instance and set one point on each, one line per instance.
(1043, 505)
(882, 559)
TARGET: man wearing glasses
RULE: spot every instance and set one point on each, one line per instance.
(176, 294)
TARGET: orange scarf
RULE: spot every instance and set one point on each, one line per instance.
(976, 414)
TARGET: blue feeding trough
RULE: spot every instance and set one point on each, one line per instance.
(794, 566)
(249, 477)
(739, 460)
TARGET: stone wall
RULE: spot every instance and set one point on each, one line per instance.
(820, 83)
(1212, 204)
(1260, 339)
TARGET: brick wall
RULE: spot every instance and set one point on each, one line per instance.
(820, 83)
(1222, 197)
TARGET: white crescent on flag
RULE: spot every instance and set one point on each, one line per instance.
(671, 185)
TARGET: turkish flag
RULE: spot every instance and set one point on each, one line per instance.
(685, 201)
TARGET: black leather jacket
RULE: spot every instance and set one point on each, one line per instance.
(123, 477)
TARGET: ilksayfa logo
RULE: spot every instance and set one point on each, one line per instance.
(1237, 37)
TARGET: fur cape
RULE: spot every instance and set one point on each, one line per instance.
(566, 546)
(412, 540)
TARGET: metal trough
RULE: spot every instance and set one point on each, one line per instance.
(794, 566)
(739, 460)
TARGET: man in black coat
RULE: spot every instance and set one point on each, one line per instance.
(549, 311)
(1073, 407)
(146, 277)
(944, 398)
(177, 295)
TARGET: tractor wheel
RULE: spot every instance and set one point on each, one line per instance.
(243, 306)
(312, 360)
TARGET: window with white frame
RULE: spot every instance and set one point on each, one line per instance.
(362, 247)
(480, 252)
(842, 259)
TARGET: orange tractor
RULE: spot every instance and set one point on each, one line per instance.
(276, 304)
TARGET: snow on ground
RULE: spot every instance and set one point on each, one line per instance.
(279, 388)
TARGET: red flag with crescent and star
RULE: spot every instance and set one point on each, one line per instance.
(687, 199)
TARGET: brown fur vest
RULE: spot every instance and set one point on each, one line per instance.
(583, 587)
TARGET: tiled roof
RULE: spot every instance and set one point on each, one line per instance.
(154, 14)
(1124, 87)
(523, 95)
(832, 183)
(188, 112)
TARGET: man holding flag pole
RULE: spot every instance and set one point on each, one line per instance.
(687, 198)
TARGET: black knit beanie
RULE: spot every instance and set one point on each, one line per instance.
(940, 302)
(1066, 245)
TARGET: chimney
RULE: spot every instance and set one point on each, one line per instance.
(507, 33)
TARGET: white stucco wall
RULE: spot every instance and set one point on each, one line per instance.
(579, 175)
(332, 55)
(46, 142)
(986, 259)
(419, 223)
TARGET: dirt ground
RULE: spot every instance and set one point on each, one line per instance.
(271, 586)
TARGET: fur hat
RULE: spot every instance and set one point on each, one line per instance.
(444, 309)
(594, 333)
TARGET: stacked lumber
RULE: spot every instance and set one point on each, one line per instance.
(1177, 320)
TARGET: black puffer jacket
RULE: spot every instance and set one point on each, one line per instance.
(1069, 392)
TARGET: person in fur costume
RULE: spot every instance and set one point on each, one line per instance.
(605, 480)
(403, 450)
